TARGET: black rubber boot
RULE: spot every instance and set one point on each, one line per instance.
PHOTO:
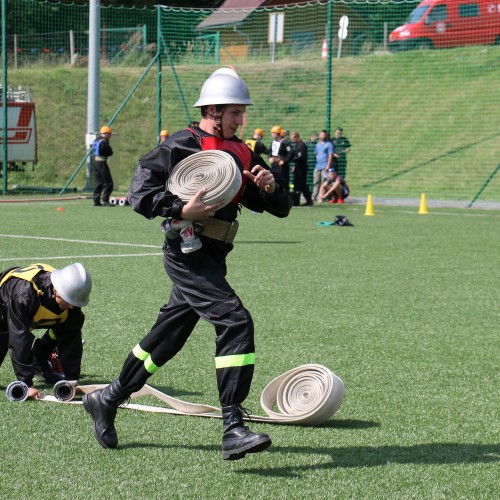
(102, 405)
(237, 439)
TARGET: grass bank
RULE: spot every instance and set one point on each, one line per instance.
(418, 121)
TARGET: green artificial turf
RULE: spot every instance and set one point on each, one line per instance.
(403, 307)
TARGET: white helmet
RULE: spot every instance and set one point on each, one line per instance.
(73, 284)
(225, 71)
(224, 86)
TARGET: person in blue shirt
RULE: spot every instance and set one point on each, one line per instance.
(324, 159)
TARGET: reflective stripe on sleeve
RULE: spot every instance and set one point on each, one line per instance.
(235, 360)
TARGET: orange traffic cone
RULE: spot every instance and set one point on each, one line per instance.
(423, 205)
(369, 206)
(324, 50)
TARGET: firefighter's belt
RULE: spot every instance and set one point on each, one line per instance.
(101, 158)
(305, 395)
(216, 229)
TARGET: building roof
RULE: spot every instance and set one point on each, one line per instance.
(231, 12)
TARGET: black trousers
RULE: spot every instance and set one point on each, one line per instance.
(300, 183)
(103, 182)
(4, 343)
(200, 290)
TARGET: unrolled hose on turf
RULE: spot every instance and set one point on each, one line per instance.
(305, 395)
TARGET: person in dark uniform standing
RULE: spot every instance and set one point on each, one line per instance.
(280, 154)
(341, 146)
(275, 147)
(103, 181)
(199, 285)
(259, 146)
(41, 297)
(300, 170)
(286, 154)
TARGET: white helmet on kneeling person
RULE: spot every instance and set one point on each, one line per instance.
(73, 283)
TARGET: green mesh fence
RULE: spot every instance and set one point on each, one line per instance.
(419, 103)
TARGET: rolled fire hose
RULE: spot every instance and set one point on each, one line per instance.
(216, 171)
(306, 395)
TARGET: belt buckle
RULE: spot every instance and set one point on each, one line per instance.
(231, 232)
(198, 227)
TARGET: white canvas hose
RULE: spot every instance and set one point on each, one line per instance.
(214, 170)
(306, 395)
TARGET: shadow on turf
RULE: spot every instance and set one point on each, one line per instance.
(349, 424)
(375, 456)
(358, 456)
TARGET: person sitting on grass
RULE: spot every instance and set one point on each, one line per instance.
(334, 189)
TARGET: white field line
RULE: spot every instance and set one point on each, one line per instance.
(156, 247)
(415, 212)
(62, 257)
(79, 241)
(445, 213)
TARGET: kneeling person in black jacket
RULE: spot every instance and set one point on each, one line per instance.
(40, 297)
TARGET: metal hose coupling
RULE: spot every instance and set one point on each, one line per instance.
(17, 391)
(64, 390)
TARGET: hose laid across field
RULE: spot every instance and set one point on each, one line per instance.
(305, 395)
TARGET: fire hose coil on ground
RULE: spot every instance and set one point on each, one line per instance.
(216, 171)
(305, 395)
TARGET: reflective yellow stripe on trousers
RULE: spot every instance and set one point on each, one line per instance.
(235, 360)
(146, 357)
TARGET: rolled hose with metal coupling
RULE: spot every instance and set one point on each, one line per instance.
(306, 395)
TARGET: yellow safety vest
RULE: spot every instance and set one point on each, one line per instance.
(251, 144)
(43, 317)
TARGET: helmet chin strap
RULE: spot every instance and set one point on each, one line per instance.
(217, 118)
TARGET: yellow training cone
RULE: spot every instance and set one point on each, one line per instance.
(369, 206)
(423, 205)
